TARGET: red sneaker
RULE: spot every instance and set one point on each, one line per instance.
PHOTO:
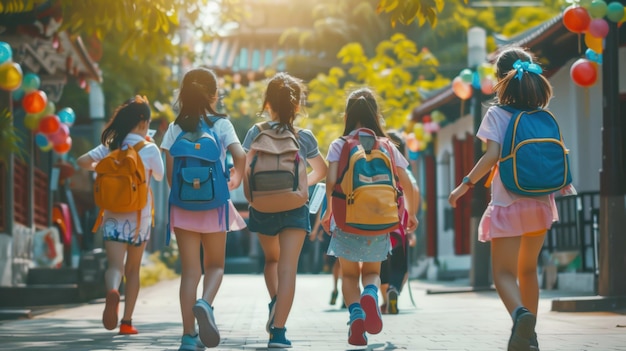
(111, 308)
(126, 328)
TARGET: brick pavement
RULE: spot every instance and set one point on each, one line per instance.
(451, 321)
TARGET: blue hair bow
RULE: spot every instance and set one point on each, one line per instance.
(522, 66)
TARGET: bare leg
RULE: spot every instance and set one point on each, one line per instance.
(271, 250)
(504, 255)
(189, 248)
(214, 245)
(116, 252)
(527, 271)
(290, 241)
(350, 274)
(131, 272)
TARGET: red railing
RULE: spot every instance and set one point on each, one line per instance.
(20, 192)
(41, 198)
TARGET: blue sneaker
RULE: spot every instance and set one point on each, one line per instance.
(369, 304)
(191, 343)
(522, 331)
(270, 319)
(209, 335)
(356, 333)
(278, 339)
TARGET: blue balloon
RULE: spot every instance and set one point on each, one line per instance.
(41, 140)
(6, 53)
(67, 116)
(30, 82)
(18, 94)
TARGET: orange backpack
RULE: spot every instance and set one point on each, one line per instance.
(121, 184)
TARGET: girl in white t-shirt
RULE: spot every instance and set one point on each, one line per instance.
(122, 237)
(202, 230)
(516, 225)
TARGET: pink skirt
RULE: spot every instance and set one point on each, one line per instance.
(521, 217)
(210, 221)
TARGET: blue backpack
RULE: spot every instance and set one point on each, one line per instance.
(533, 158)
(199, 180)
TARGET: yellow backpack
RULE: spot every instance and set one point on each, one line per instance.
(121, 184)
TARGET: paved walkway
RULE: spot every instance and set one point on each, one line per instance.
(451, 321)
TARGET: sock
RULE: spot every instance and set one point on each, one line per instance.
(517, 311)
(371, 287)
(354, 306)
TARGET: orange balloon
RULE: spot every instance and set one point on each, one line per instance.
(594, 43)
(461, 89)
(35, 101)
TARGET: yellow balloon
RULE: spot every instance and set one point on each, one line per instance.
(10, 76)
(594, 43)
(31, 121)
(427, 138)
(418, 130)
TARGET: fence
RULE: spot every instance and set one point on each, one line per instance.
(577, 229)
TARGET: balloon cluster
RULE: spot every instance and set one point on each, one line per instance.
(588, 17)
(52, 130)
(418, 135)
(483, 78)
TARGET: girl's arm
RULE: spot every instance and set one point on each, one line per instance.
(239, 165)
(319, 169)
(482, 167)
(410, 194)
(169, 166)
(86, 162)
(331, 180)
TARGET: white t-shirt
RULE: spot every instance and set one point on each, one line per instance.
(222, 127)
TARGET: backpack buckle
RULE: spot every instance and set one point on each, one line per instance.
(196, 183)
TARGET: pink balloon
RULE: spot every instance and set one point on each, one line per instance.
(599, 28)
(60, 135)
(461, 89)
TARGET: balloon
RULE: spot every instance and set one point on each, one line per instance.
(31, 82)
(585, 3)
(599, 28)
(593, 56)
(461, 89)
(615, 11)
(412, 143)
(49, 110)
(594, 43)
(35, 101)
(466, 75)
(18, 94)
(10, 76)
(49, 124)
(5, 52)
(32, 121)
(418, 131)
(584, 72)
(576, 19)
(486, 69)
(67, 116)
(41, 140)
(60, 135)
(437, 116)
(597, 9)
(63, 147)
(486, 85)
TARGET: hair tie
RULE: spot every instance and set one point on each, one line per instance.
(525, 66)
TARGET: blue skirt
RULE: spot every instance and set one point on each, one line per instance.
(359, 248)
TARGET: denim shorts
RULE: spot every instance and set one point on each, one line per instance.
(273, 223)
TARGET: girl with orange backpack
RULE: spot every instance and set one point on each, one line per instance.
(361, 241)
(125, 232)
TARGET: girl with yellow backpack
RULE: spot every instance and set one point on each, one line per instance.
(125, 202)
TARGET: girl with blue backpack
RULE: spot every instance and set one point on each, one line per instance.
(360, 254)
(515, 224)
(201, 213)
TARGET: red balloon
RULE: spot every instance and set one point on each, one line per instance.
(576, 19)
(49, 124)
(584, 72)
(35, 102)
(63, 147)
(461, 89)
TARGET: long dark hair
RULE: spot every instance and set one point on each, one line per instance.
(362, 109)
(198, 91)
(125, 118)
(526, 90)
(283, 95)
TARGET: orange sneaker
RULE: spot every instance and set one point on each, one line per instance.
(111, 308)
(126, 328)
